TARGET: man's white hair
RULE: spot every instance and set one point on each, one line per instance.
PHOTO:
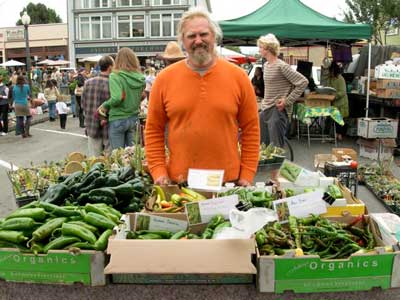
(200, 12)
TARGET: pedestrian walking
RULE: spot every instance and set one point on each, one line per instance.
(62, 110)
(80, 82)
(283, 86)
(126, 92)
(3, 108)
(21, 98)
(51, 93)
(206, 101)
(96, 91)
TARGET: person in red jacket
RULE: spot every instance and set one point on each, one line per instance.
(206, 101)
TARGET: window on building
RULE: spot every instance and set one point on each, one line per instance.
(126, 3)
(85, 28)
(123, 3)
(123, 26)
(169, 2)
(137, 26)
(95, 27)
(106, 27)
(131, 26)
(164, 24)
(93, 3)
(85, 3)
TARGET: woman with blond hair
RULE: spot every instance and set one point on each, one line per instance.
(126, 89)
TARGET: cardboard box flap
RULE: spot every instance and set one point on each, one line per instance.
(374, 143)
(181, 256)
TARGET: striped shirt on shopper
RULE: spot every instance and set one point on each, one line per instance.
(281, 81)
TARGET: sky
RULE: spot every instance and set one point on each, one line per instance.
(222, 9)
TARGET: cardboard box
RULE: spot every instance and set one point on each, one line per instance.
(56, 267)
(321, 159)
(388, 93)
(310, 274)
(370, 148)
(343, 153)
(372, 128)
(387, 71)
(354, 206)
(319, 100)
(388, 84)
(181, 261)
(372, 73)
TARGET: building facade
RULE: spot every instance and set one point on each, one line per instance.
(99, 27)
(45, 41)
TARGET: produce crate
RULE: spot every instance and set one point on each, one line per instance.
(24, 200)
(195, 261)
(56, 267)
(310, 274)
(319, 100)
(354, 207)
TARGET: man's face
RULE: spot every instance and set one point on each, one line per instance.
(198, 40)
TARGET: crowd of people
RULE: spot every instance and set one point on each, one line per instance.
(197, 104)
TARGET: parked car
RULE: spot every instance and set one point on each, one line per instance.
(316, 72)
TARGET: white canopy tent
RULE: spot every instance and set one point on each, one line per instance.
(46, 62)
(91, 58)
(12, 63)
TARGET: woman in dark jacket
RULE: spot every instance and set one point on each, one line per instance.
(258, 83)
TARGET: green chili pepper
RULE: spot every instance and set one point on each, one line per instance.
(220, 227)
(60, 243)
(37, 248)
(207, 234)
(163, 233)
(86, 225)
(69, 229)
(99, 221)
(149, 236)
(81, 245)
(260, 238)
(101, 211)
(47, 228)
(179, 235)
(12, 236)
(102, 241)
(21, 224)
(38, 214)
(59, 211)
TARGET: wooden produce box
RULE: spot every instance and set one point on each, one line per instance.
(319, 100)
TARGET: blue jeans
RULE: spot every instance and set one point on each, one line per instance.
(73, 104)
(120, 132)
(52, 109)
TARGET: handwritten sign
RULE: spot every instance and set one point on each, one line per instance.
(300, 206)
(201, 212)
(152, 222)
(209, 180)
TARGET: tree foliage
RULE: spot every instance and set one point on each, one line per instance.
(380, 14)
(40, 14)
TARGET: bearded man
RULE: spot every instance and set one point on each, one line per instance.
(206, 101)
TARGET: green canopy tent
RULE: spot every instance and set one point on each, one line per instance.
(294, 24)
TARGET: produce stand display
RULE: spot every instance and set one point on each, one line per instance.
(101, 224)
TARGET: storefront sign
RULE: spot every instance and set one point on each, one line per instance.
(96, 50)
(148, 48)
(15, 35)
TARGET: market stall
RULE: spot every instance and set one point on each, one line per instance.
(100, 221)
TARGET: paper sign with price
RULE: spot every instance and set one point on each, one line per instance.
(300, 206)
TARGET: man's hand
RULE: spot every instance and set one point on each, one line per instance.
(162, 180)
(280, 105)
(243, 182)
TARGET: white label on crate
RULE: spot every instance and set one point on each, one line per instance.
(210, 180)
(300, 206)
(202, 211)
(152, 222)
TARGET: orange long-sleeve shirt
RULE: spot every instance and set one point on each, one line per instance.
(204, 114)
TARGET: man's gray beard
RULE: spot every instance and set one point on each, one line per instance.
(201, 57)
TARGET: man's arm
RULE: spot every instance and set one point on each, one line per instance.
(299, 82)
(250, 136)
(154, 135)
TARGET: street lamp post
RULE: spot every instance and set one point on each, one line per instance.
(26, 20)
